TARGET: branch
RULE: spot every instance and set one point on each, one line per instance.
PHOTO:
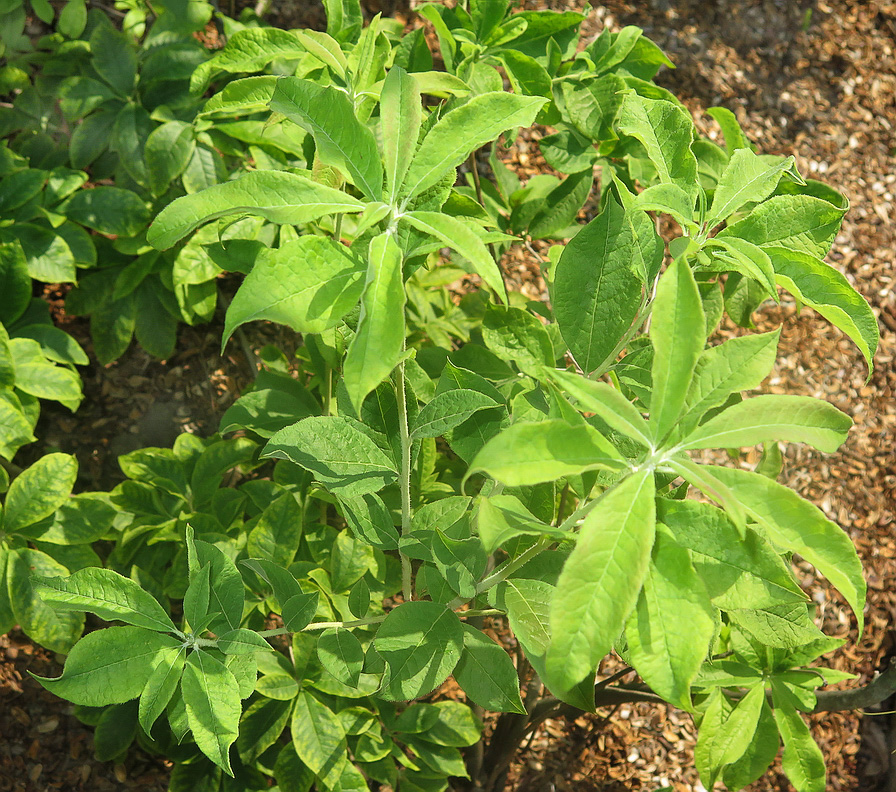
(881, 687)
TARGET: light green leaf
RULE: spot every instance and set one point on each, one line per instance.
(599, 585)
(796, 525)
(732, 254)
(726, 732)
(336, 452)
(278, 196)
(378, 344)
(42, 623)
(420, 643)
(242, 641)
(318, 738)
(502, 517)
(796, 419)
(39, 491)
(278, 532)
(786, 626)
(670, 199)
(341, 654)
(212, 698)
(799, 222)
(110, 666)
(758, 756)
(592, 105)
(530, 453)
(168, 150)
(598, 284)
(666, 131)
(370, 520)
(827, 291)
(261, 726)
(107, 594)
(342, 140)
(465, 129)
(278, 687)
(746, 179)
(517, 335)
(701, 476)
(802, 759)
(400, 119)
(606, 402)
(736, 365)
(677, 332)
(308, 284)
(160, 686)
(528, 610)
(447, 410)
(734, 136)
(458, 236)
(670, 630)
(562, 205)
(487, 675)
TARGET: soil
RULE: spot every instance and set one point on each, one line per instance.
(816, 79)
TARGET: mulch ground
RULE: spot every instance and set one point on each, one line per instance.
(819, 85)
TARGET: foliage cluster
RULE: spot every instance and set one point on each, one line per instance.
(289, 593)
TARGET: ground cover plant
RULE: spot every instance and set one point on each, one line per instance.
(421, 464)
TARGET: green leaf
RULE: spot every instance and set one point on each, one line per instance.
(261, 726)
(530, 453)
(701, 476)
(448, 409)
(528, 605)
(677, 332)
(598, 284)
(341, 654)
(280, 197)
(56, 631)
(487, 675)
(827, 291)
(115, 731)
(736, 365)
(503, 517)
(73, 18)
(338, 454)
(378, 344)
(107, 594)
(732, 254)
(400, 119)
(734, 136)
(39, 491)
(168, 150)
(566, 152)
(420, 643)
(277, 687)
(226, 595)
(278, 532)
(56, 344)
(290, 772)
(670, 199)
(517, 335)
(460, 237)
(318, 738)
(308, 284)
(114, 58)
(109, 210)
(48, 256)
(799, 222)
(758, 756)
(802, 759)
(242, 642)
(787, 625)
(796, 419)
(747, 179)
(562, 205)
(160, 686)
(212, 698)
(592, 105)
(740, 571)
(670, 630)
(342, 140)
(463, 130)
(370, 520)
(726, 732)
(601, 579)
(16, 282)
(796, 525)
(606, 402)
(110, 666)
(666, 131)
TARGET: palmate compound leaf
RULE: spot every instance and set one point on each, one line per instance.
(421, 643)
(531, 453)
(110, 666)
(600, 582)
(487, 675)
(794, 524)
(670, 630)
(211, 695)
(107, 594)
(799, 419)
(277, 196)
(338, 454)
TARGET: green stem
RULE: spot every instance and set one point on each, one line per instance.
(405, 480)
(337, 231)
